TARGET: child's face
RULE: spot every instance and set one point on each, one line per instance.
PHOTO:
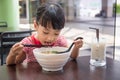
(47, 36)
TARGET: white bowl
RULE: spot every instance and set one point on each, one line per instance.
(52, 61)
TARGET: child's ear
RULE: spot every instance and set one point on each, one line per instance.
(35, 25)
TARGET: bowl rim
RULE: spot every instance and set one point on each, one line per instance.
(35, 50)
(54, 60)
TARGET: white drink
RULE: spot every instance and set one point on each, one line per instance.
(98, 52)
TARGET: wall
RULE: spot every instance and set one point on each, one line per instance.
(9, 12)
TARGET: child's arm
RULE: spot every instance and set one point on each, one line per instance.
(16, 55)
(75, 51)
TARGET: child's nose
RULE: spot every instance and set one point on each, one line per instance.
(51, 38)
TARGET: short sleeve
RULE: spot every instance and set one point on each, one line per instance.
(28, 50)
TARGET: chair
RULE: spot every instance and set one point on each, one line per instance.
(8, 39)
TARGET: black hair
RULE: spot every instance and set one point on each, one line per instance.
(50, 13)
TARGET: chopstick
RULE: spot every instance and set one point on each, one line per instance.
(31, 45)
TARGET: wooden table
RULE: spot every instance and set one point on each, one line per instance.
(79, 70)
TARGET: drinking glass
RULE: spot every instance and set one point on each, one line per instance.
(98, 52)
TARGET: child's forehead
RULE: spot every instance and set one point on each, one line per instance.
(48, 28)
(51, 28)
(46, 24)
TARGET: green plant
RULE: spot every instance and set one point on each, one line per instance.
(118, 8)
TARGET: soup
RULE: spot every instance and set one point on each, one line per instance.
(49, 52)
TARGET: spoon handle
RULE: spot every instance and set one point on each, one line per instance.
(73, 43)
(70, 47)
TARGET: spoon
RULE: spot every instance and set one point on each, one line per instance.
(68, 48)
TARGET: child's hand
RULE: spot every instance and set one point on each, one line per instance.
(16, 49)
(78, 43)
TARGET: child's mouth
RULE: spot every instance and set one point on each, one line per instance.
(48, 43)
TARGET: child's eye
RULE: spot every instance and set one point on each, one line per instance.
(45, 32)
(56, 34)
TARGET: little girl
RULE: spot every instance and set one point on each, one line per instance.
(49, 22)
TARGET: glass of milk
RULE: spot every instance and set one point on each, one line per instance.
(98, 52)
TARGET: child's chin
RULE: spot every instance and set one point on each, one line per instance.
(47, 44)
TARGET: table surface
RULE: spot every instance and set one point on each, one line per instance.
(73, 70)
